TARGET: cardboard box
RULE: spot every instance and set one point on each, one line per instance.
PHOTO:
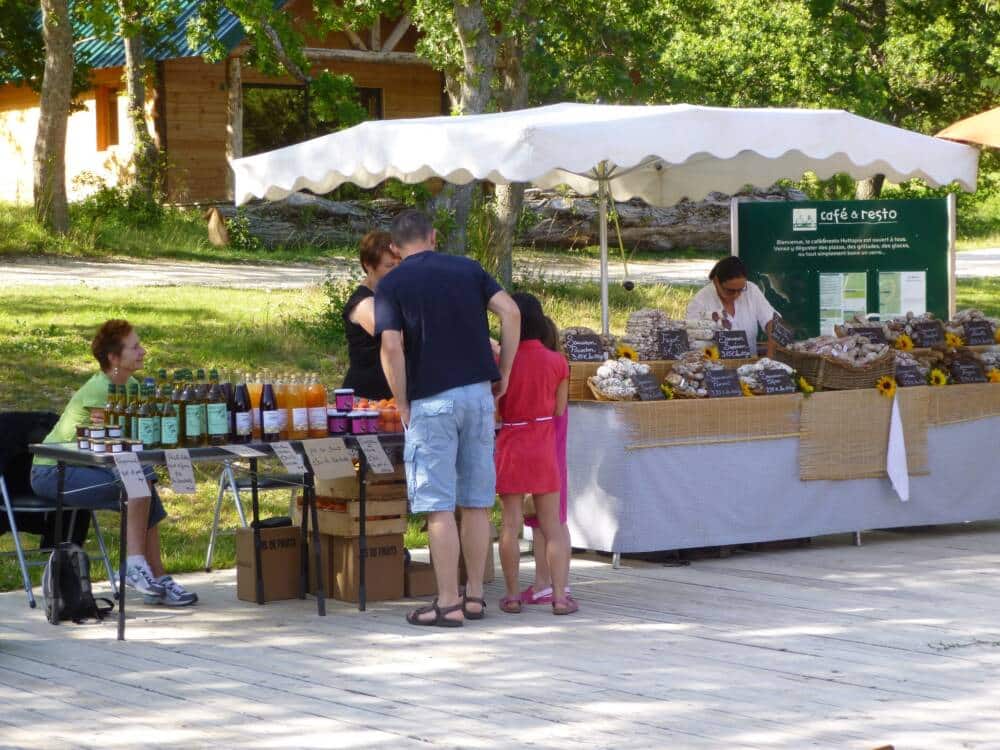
(420, 580)
(279, 558)
(382, 517)
(383, 572)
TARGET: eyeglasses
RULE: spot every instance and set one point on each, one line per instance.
(732, 292)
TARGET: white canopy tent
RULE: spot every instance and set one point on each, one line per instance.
(658, 153)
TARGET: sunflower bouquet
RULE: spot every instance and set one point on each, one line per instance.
(904, 343)
(953, 340)
(937, 377)
(886, 386)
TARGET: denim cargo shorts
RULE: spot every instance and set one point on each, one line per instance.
(449, 450)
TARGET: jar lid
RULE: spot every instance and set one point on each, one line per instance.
(344, 391)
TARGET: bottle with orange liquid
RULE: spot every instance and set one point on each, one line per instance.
(281, 394)
(316, 403)
(298, 411)
(255, 387)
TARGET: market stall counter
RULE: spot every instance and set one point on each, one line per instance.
(69, 454)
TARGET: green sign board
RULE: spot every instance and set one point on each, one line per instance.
(821, 262)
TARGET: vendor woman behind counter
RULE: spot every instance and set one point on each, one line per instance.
(365, 374)
(734, 299)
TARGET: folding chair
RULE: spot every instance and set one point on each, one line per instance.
(18, 430)
(229, 483)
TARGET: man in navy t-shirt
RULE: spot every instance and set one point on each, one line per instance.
(431, 314)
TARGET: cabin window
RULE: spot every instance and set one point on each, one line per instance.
(106, 101)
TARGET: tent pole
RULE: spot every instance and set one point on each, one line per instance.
(602, 202)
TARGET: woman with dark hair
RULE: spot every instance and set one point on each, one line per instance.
(731, 298)
(364, 373)
(527, 460)
(119, 353)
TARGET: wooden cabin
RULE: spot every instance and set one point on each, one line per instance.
(195, 110)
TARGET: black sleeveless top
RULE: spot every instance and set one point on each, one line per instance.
(364, 374)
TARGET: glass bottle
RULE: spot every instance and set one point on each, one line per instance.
(133, 411)
(147, 418)
(217, 416)
(111, 407)
(255, 387)
(177, 400)
(194, 429)
(298, 424)
(169, 425)
(242, 413)
(281, 399)
(122, 409)
(270, 419)
(316, 403)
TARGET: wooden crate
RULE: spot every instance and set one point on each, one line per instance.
(390, 514)
(347, 489)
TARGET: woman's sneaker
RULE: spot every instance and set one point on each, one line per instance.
(140, 578)
(174, 595)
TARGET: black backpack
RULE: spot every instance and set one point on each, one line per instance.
(72, 598)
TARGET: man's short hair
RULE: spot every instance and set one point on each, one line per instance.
(411, 226)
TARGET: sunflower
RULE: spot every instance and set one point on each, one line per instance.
(996, 335)
(711, 352)
(745, 388)
(953, 340)
(626, 351)
(886, 386)
(904, 343)
(668, 392)
(937, 377)
(993, 375)
(804, 386)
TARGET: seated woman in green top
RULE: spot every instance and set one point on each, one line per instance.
(117, 349)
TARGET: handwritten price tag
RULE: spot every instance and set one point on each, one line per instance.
(329, 457)
(180, 470)
(375, 453)
(244, 451)
(132, 476)
(291, 460)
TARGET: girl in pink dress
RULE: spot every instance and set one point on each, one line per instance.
(526, 461)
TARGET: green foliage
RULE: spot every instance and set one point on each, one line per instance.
(415, 195)
(124, 205)
(240, 236)
(328, 329)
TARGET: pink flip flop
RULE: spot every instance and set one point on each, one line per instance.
(530, 596)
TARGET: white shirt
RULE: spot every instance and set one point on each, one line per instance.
(752, 309)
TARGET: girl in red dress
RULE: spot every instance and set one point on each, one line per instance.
(526, 460)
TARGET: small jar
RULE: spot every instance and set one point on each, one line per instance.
(83, 430)
(113, 431)
(98, 431)
(336, 422)
(83, 443)
(373, 419)
(134, 446)
(98, 445)
(115, 445)
(344, 399)
(358, 421)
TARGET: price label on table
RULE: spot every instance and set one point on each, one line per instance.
(874, 334)
(928, 333)
(671, 343)
(378, 460)
(583, 347)
(244, 451)
(777, 381)
(180, 470)
(291, 460)
(648, 387)
(966, 371)
(979, 333)
(733, 345)
(132, 476)
(722, 383)
(781, 333)
(908, 376)
(329, 457)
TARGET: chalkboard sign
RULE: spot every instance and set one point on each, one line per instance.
(721, 383)
(908, 375)
(781, 333)
(777, 381)
(979, 333)
(671, 343)
(648, 387)
(733, 345)
(928, 333)
(583, 347)
(874, 334)
(965, 371)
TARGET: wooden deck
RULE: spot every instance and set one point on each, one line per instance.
(828, 646)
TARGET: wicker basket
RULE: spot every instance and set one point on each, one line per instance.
(599, 395)
(827, 374)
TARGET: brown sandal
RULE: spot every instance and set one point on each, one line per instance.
(470, 615)
(439, 616)
(511, 605)
(565, 606)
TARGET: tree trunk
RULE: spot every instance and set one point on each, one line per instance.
(870, 189)
(146, 155)
(475, 90)
(51, 207)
